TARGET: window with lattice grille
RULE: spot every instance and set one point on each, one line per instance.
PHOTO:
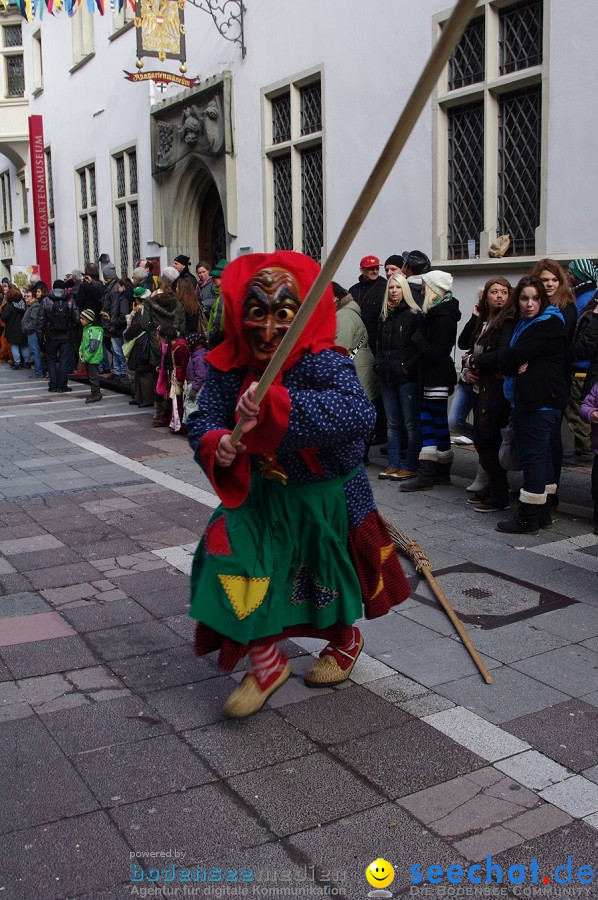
(12, 63)
(465, 177)
(87, 211)
(294, 171)
(5, 202)
(492, 170)
(50, 199)
(126, 210)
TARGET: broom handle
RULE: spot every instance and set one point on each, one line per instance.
(439, 594)
(441, 52)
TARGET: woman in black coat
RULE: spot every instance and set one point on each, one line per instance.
(438, 378)
(535, 386)
(490, 336)
(12, 316)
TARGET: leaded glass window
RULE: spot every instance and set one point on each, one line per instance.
(15, 76)
(88, 225)
(295, 211)
(467, 64)
(281, 119)
(283, 203)
(519, 157)
(311, 203)
(134, 231)
(13, 35)
(311, 108)
(132, 172)
(120, 176)
(125, 187)
(122, 233)
(83, 188)
(465, 178)
(49, 184)
(520, 40)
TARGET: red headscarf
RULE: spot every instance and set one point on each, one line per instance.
(318, 334)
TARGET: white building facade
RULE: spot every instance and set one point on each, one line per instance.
(271, 149)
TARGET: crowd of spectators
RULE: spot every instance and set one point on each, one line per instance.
(530, 360)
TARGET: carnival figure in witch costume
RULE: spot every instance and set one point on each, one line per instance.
(297, 547)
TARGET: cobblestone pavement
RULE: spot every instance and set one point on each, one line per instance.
(112, 737)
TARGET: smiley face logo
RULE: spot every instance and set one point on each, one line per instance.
(380, 873)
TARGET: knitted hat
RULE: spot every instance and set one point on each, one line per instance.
(182, 259)
(394, 260)
(219, 268)
(440, 282)
(88, 315)
(109, 270)
(58, 284)
(418, 262)
(583, 269)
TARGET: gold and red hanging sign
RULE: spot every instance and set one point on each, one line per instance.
(160, 28)
(162, 78)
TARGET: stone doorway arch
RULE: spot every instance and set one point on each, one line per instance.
(211, 238)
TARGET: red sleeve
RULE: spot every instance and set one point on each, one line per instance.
(231, 483)
(273, 422)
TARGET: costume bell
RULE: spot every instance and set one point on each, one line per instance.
(297, 547)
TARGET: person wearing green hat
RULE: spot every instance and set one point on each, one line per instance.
(216, 320)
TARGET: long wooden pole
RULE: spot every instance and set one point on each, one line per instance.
(441, 52)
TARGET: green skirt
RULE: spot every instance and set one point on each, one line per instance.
(278, 561)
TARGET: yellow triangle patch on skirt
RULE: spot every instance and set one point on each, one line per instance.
(245, 594)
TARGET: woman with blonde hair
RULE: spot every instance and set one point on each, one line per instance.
(434, 342)
(397, 364)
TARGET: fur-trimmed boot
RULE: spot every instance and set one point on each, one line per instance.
(527, 518)
(442, 467)
(480, 481)
(424, 480)
(545, 516)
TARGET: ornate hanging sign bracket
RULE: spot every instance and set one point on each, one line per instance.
(227, 16)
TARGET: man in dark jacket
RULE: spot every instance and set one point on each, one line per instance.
(181, 264)
(368, 293)
(60, 316)
(582, 275)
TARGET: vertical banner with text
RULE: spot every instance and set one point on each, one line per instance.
(40, 198)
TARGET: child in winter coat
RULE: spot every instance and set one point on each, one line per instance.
(589, 413)
(91, 352)
(171, 375)
(197, 367)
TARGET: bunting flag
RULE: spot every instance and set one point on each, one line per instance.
(30, 8)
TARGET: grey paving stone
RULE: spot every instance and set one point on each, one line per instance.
(301, 793)
(183, 626)
(348, 845)
(426, 758)
(163, 669)
(64, 859)
(163, 592)
(567, 733)
(477, 734)
(510, 695)
(539, 821)
(14, 584)
(517, 641)
(58, 576)
(576, 796)
(391, 632)
(132, 640)
(38, 783)
(193, 705)
(577, 840)
(22, 604)
(533, 769)
(428, 616)
(106, 548)
(130, 772)
(105, 724)
(206, 823)
(574, 623)
(99, 616)
(60, 556)
(433, 663)
(231, 747)
(572, 669)
(341, 715)
(492, 841)
(46, 657)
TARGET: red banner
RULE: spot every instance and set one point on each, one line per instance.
(40, 198)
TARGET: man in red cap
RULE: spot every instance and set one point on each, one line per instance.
(369, 294)
(297, 547)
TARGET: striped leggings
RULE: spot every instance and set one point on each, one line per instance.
(434, 421)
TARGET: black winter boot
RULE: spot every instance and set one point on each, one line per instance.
(545, 519)
(527, 519)
(94, 397)
(442, 468)
(424, 480)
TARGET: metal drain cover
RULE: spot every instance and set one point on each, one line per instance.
(489, 599)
